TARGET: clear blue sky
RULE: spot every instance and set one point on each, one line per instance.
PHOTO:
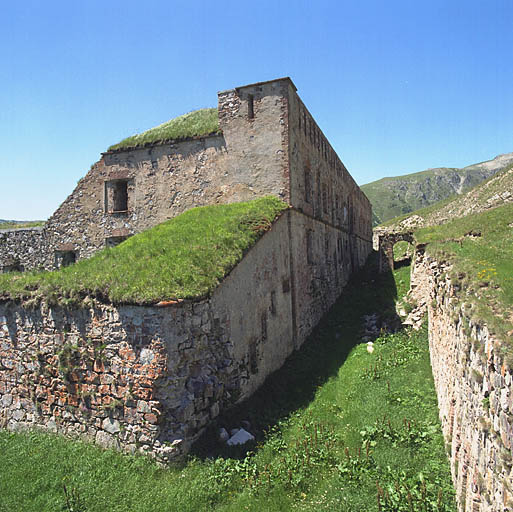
(396, 86)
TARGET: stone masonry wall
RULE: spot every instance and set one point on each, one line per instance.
(23, 248)
(124, 377)
(269, 144)
(150, 379)
(475, 392)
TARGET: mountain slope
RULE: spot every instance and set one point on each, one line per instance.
(494, 192)
(395, 196)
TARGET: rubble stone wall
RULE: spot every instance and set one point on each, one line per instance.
(475, 392)
(150, 379)
(21, 249)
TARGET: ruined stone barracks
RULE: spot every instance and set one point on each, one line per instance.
(150, 378)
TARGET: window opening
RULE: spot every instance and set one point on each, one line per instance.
(112, 241)
(263, 321)
(116, 196)
(13, 267)
(273, 303)
(324, 199)
(251, 107)
(309, 248)
(65, 258)
(120, 196)
(308, 186)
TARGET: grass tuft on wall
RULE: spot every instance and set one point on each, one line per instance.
(183, 258)
(194, 124)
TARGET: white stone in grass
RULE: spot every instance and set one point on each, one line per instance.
(370, 347)
(241, 437)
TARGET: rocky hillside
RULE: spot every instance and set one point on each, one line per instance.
(494, 192)
(395, 196)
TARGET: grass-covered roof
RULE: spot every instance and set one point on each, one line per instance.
(194, 124)
(183, 258)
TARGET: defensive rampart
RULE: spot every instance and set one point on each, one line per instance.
(150, 379)
(475, 391)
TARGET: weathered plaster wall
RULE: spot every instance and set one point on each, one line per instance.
(257, 147)
(23, 248)
(475, 393)
(322, 262)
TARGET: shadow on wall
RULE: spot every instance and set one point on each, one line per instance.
(323, 353)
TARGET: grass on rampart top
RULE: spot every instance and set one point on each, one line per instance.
(481, 248)
(199, 122)
(21, 224)
(338, 429)
(184, 257)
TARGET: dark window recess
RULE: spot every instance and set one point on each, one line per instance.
(326, 246)
(251, 106)
(120, 196)
(309, 247)
(308, 186)
(253, 363)
(324, 199)
(112, 241)
(285, 286)
(13, 267)
(339, 249)
(65, 258)
(318, 206)
(263, 322)
(273, 302)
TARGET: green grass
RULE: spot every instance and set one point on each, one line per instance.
(336, 428)
(21, 224)
(402, 250)
(185, 257)
(197, 123)
(483, 263)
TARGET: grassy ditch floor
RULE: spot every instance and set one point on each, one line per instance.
(183, 258)
(338, 428)
(480, 247)
(194, 124)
